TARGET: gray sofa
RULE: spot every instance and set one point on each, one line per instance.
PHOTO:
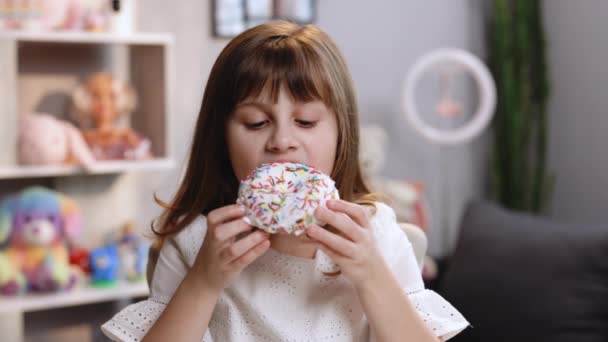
(518, 277)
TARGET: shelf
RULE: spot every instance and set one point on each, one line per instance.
(77, 296)
(106, 167)
(89, 37)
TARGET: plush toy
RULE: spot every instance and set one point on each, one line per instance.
(104, 264)
(35, 226)
(45, 140)
(405, 197)
(98, 105)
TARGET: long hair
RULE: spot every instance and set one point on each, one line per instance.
(305, 61)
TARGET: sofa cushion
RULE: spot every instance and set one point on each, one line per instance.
(518, 277)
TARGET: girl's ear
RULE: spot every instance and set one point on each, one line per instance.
(7, 209)
(70, 216)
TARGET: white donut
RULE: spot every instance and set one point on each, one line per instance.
(282, 197)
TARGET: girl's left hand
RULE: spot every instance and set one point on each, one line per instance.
(355, 250)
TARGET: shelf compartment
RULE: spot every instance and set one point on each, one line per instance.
(41, 70)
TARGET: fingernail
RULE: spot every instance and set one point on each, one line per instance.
(242, 208)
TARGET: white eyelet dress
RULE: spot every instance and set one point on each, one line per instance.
(286, 298)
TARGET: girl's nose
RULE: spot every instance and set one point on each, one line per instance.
(281, 140)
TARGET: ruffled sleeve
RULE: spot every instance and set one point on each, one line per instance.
(175, 259)
(439, 315)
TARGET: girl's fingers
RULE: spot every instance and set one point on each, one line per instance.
(331, 253)
(240, 247)
(341, 222)
(252, 254)
(228, 230)
(356, 212)
(331, 240)
(228, 213)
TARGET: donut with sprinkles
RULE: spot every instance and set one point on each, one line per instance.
(282, 197)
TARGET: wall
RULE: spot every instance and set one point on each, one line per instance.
(578, 115)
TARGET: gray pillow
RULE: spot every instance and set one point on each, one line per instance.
(518, 277)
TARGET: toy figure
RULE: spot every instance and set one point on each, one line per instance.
(104, 265)
(133, 252)
(101, 101)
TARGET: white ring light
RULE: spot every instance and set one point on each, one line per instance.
(487, 98)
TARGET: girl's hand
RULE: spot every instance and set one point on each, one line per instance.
(354, 248)
(222, 257)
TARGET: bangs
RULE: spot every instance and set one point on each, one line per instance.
(283, 62)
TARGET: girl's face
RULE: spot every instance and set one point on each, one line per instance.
(260, 131)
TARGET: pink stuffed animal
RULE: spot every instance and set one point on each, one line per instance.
(45, 140)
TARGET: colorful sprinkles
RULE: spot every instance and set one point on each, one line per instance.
(282, 197)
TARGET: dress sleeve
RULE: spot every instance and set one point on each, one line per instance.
(439, 315)
(133, 322)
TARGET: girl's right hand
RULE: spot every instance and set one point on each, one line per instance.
(222, 257)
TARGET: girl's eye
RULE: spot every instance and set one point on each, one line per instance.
(306, 124)
(256, 125)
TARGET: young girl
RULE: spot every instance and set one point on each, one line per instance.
(281, 92)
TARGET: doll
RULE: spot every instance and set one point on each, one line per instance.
(99, 103)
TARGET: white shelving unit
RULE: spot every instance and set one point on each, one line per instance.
(12, 309)
(38, 72)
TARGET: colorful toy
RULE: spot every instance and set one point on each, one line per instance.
(104, 265)
(123, 257)
(35, 226)
(45, 140)
(133, 253)
(91, 15)
(79, 257)
(98, 106)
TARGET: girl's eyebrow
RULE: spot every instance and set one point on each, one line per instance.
(261, 106)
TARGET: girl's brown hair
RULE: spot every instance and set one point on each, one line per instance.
(305, 61)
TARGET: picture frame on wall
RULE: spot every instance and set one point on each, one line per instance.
(231, 17)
